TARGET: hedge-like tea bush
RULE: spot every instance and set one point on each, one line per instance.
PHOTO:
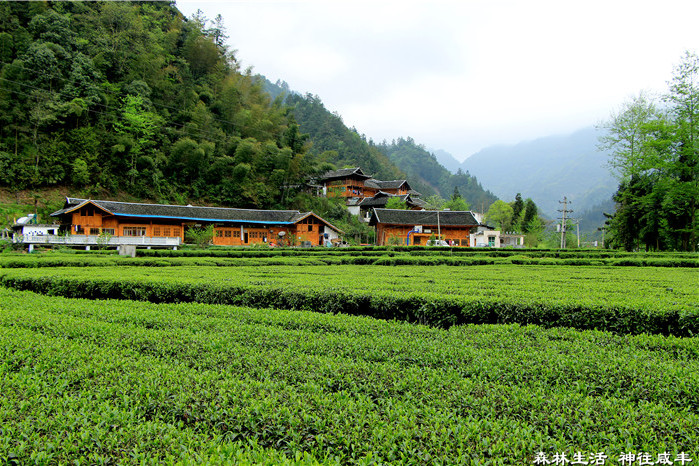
(622, 300)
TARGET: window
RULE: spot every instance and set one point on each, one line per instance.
(94, 231)
(227, 233)
(310, 227)
(166, 231)
(108, 231)
(156, 231)
(236, 234)
(134, 231)
(219, 233)
(491, 241)
(175, 232)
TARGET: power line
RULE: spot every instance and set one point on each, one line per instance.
(564, 222)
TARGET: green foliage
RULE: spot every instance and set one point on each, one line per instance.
(458, 203)
(191, 383)
(656, 157)
(132, 98)
(396, 203)
(622, 297)
(201, 236)
(429, 177)
(500, 215)
(434, 202)
(333, 142)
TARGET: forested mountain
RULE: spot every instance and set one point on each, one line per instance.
(447, 160)
(334, 143)
(132, 99)
(547, 169)
(421, 165)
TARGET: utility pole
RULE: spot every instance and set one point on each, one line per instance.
(564, 219)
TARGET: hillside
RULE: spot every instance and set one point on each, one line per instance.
(132, 100)
(421, 165)
(446, 160)
(333, 142)
(546, 170)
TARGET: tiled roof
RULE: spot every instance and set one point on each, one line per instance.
(380, 199)
(343, 173)
(210, 214)
(390, 184)
(423, 217)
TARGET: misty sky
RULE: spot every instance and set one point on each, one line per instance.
(462, 75)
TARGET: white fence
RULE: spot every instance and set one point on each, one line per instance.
(94, 240)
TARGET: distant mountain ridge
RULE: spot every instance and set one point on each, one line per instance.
(339, 145)
(447, 160)
(547, 169)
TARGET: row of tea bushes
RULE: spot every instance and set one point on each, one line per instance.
(623, 300)
(138, 383)
(320, 257)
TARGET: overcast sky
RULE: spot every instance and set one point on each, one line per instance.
(462, 75)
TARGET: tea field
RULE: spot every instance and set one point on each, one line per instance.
(633, 300)
(212, 364)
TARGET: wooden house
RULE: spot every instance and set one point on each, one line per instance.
(364, 207)
(346, 182)
(158, 224)
(354, 183)
(416, 227)
(395, 187)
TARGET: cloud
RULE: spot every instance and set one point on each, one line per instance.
(461, 75)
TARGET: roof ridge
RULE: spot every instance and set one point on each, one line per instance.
(189, 206)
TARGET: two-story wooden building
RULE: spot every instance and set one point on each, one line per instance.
(416, 227)
(354, 183)
(346, 182)
(155, 224)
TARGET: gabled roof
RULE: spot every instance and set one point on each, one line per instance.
(423, 217)
(390, 184)
(303, 215)
(381, 198)
(343, 173)
(191, 213)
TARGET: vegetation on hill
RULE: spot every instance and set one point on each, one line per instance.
(335, 143)
(132, 98)
(423, 166)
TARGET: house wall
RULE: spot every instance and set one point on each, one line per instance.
(30, 230)
(397, 191)
(92, 221)
(458, 235)
(481, 239)
(310, 229)
(237, 235)
(347, 187)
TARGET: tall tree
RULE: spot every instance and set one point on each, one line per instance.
(517, 208)
(500, 214)
(627, 135)
(683, 195)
